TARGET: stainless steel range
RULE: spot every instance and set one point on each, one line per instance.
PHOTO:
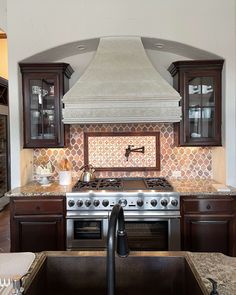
(151, 209)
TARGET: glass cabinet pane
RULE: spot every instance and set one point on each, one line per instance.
(195, 122)
(208, 93)
(42, 109)
(194, 92)
(208, 119)
(48, 124)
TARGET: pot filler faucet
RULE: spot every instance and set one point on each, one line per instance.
(130, 150)
(117, 214)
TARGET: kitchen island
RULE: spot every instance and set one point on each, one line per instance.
(217, 266)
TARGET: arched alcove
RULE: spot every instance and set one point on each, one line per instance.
(160, 51)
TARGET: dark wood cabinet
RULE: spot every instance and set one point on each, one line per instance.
(4, 138)
(43, 88)
(208, 224)
(37, 224)
(3, 92)
(199, 84)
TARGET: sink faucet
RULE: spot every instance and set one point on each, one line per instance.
(130, 150)
(122, 249)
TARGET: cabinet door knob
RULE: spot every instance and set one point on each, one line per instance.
(37, 207)
(208, 206)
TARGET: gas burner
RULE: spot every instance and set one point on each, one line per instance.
(81, 185)
(99, 184)
(110, 184)
(159, 183)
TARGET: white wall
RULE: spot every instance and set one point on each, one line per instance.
(35, 26)
(3, 15)
(3, 59)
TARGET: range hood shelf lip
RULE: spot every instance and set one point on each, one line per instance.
(127, 101)
(121, 99)
(120, 121)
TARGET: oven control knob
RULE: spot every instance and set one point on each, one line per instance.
(140, 202)
(79, 203)
(96, 203)
(122, 202)
(71, 203)
(87, 203)
(174, 202)
(153, 203)
(105, 203)
(164, 202)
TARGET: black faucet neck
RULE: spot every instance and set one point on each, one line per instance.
(117, 215)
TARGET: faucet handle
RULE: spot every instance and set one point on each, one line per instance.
(122, 244)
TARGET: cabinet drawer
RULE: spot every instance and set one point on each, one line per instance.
(208, 205)
(40, 206)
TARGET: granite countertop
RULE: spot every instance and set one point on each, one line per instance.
(217, 266)
(35, 189)
(201, 186)
(184, 187)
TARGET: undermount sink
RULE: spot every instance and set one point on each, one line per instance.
(86, 274)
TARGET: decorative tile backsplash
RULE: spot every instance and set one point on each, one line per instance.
(192, 162)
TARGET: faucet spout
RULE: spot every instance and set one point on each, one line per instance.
(122, 249)
(129, 150)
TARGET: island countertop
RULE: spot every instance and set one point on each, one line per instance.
(217, 266)
(183, 186)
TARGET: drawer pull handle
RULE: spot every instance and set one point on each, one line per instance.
(208, 207)
(37, 207)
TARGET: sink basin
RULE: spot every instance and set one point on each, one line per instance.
(72, 274)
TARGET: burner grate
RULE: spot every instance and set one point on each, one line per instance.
(81, 185)
(118, 184)
(99, 184)
(110, 184)
(159, 183)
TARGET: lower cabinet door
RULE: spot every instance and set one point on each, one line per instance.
(208, 234)
(37, 234)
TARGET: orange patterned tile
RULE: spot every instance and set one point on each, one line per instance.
(192, 162)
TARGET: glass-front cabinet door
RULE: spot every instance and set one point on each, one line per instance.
(199, 84)
(42, 105)
(43, 89)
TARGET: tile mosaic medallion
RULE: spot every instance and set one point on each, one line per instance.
(193, 162)
(130, 151)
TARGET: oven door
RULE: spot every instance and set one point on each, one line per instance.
(152, 231)
(86, 230)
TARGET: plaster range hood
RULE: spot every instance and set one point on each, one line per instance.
(121, 86)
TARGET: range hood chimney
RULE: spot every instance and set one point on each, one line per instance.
(121, 86)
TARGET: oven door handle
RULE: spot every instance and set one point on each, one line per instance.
(165, 216)
(73, 215)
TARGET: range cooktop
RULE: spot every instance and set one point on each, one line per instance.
(124, 184)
